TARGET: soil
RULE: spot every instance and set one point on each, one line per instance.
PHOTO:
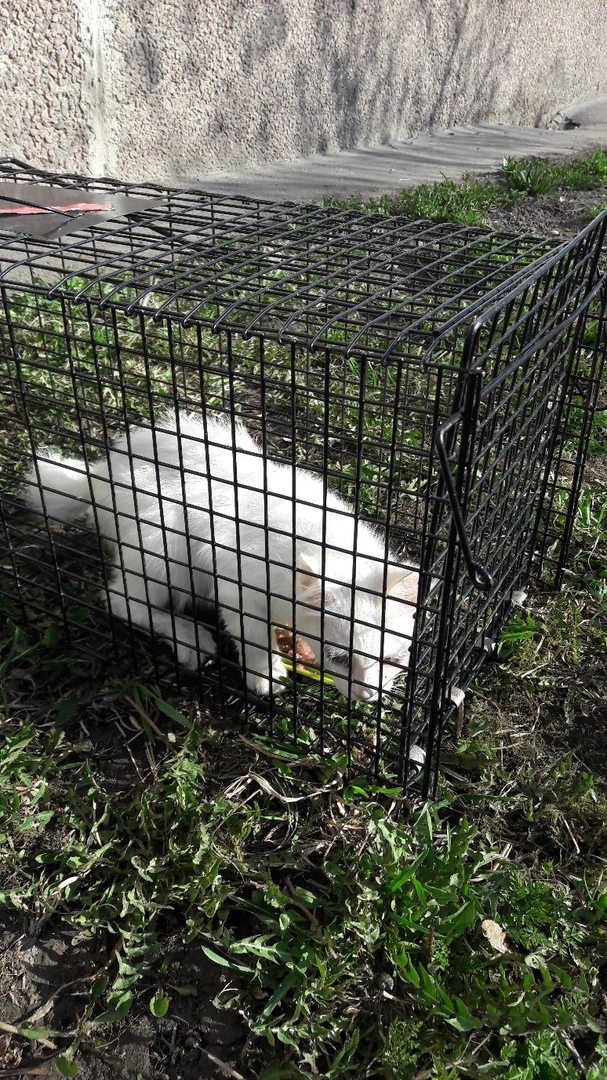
(45, 971)
(181, 1046)
(561, 215)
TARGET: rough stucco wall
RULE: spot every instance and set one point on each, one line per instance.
(157, 88)
(266, 79)
(42, 115)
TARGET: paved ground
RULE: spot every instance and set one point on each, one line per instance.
(375, 170)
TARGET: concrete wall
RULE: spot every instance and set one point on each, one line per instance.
(150, 89)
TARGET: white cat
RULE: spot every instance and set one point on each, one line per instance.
(195, 510)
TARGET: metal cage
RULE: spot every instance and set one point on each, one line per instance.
(441, 378)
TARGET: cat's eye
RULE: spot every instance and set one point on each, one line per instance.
(340, 659)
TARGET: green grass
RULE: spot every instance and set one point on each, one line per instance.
(446, 200)
(361, 935)
(353, 928)
(468, 201)
(536, 176)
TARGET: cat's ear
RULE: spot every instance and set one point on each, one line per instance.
(402, 582)
(309, 586)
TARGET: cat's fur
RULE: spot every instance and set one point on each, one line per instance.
(266, 558)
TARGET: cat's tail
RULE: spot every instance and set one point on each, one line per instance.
(58, 486)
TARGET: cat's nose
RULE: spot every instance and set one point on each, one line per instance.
(363, 693)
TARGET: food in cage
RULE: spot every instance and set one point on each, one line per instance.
(294, 646)
(193, 507)
(81, 207)
(297, 654)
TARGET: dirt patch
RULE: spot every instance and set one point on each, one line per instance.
(44, 979)
(561, 215)
(47, 966)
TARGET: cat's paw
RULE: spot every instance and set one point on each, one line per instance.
(263, 685)
(195, 655)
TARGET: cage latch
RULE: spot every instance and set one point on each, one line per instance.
(479, 575)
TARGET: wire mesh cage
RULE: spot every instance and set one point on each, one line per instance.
(296, 458)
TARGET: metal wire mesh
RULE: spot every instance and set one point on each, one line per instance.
(440, 379)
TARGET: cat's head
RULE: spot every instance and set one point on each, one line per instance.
(365, 630)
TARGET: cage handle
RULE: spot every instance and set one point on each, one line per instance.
(480, 577)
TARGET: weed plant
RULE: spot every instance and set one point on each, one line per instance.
(467, 202)
(363, 936)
